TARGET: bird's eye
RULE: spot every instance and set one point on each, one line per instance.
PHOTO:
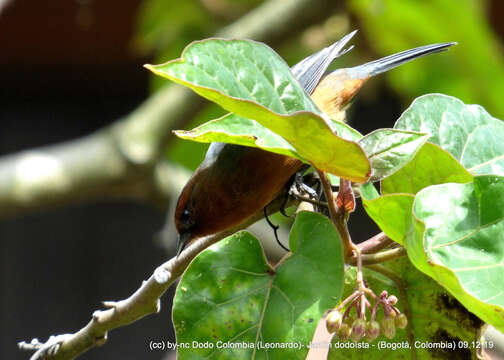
(185, 217)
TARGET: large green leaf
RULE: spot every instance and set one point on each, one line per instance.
(437, 318)
(252, 81)
(389, 149)
(229, 293)
(458, 240)
(238, 130)
(431, 166)
(467, 132)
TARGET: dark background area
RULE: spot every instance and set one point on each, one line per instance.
(67, 68)
(63, 78)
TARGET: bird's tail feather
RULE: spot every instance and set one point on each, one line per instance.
(389, 62)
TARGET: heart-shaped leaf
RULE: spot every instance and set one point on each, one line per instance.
(430, 166)
(458, 240)
(252, 81)
(467, 132)
(230, 294)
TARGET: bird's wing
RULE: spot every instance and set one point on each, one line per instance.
(310, 70)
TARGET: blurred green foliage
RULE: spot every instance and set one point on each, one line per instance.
(473, 71)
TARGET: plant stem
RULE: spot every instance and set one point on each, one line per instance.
(337, 216)
(375, 244)
(370, 259)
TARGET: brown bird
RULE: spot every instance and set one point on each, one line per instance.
(234, 182)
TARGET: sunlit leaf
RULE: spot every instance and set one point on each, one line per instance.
(392, 214)
(388, 150)
(467, 132)
(251, 80)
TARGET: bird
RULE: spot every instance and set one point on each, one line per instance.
(234, 182)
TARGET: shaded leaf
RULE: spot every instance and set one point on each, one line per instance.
(230, 293)
(430, 166)
(437, 317)
(458, 240)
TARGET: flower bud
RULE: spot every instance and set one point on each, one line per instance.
(392, 299)
(358, 329)
(333, 321)
(372, 330)
(391, 314)
(344, 332)
(388, 327)
(349, 320)
(401, 321)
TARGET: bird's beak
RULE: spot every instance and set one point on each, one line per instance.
(182, 241)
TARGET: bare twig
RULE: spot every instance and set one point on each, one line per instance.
(143, 302)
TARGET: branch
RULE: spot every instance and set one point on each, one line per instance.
(376, 243)
(143, 302)
(121, 161)
(382, 256)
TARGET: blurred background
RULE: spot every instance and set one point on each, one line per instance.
(89, 169)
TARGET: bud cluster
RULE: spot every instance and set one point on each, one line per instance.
(355, 328)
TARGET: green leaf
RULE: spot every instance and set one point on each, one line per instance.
(458, 240)
(392, 214)
(252, 81)
(389, 150)
(345, 131)
(368, 191)
(237, 130)
(437, 317)
(234, 129)
(229, 293)
(467, 132)
(430, 166)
